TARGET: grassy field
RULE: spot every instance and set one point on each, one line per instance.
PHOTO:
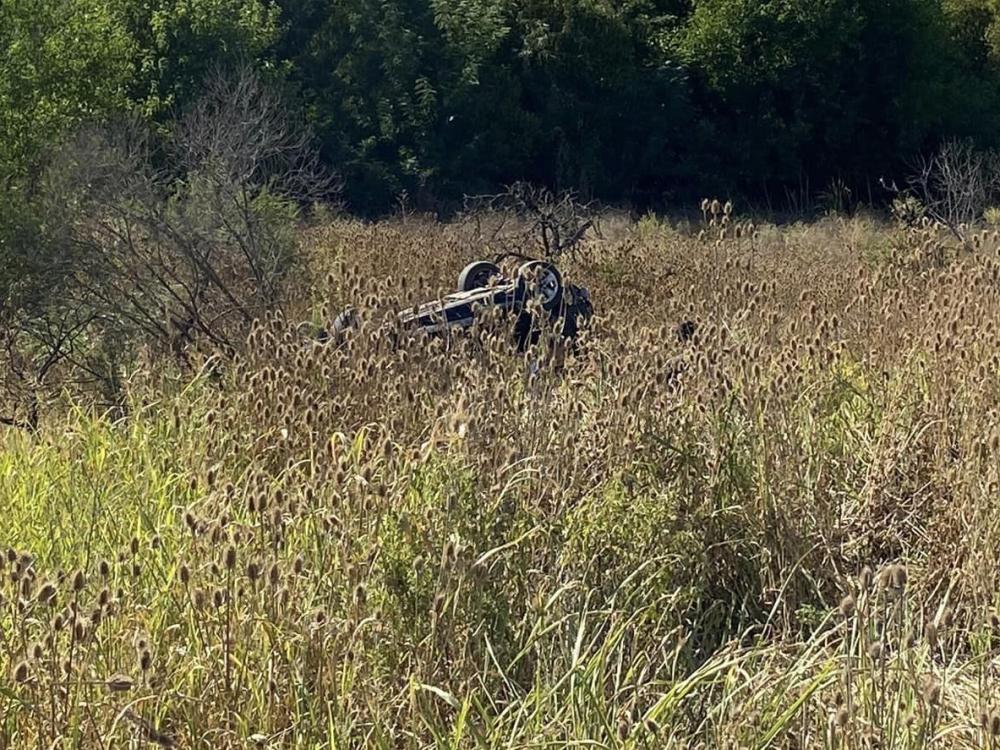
(782, 534)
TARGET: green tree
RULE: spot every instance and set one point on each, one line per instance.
(370, 74)
(61, 62)
(821, 88)
(612, 102)
(975, 26)
(181, 41)
(465, 95)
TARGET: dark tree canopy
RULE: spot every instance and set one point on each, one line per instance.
(649, 102)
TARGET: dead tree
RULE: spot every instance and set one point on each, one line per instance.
(167, 242)
(525, 216)
(195, 242)
(956, 185)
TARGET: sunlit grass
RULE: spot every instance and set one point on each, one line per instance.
(781, 534)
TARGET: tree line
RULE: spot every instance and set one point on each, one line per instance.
(646, 102)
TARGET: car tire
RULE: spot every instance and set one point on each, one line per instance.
(549, 283)
(344, 322)
(477, 275)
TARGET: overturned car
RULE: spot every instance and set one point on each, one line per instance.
(532, 296)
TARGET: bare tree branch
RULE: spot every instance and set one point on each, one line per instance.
(165, 241)
(956, 185)
(553, 224)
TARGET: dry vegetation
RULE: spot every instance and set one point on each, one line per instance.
(780, 534)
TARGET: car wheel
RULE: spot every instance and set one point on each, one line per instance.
(477, 275)
(545, 282)
(347, 320)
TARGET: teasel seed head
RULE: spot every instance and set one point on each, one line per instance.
(842, 717)
(623, 730)
(847, 606)
(898, 578)
(360, 595)
(119, 683)
(884, 577)
(22, 672)
(947, 618)
(47, 594)
(449, 554)
(932, 692)
(319, 618)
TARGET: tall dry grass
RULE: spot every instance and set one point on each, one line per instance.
(780, 534)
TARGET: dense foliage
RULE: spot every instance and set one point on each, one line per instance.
(645, 101)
